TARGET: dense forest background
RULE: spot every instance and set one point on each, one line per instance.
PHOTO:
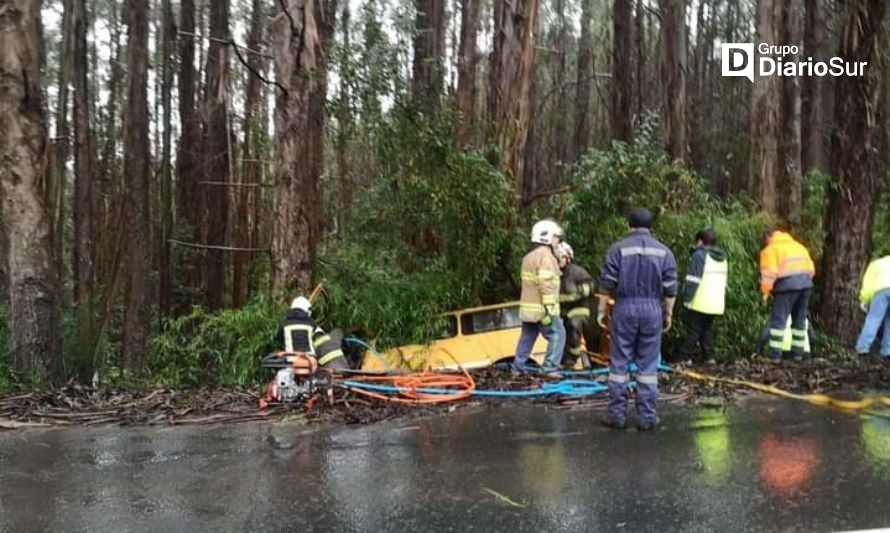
(173, 172)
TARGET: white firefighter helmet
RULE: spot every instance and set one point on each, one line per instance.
(565, 250)
(301, 302)
(544, 230)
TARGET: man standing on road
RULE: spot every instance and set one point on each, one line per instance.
(704, 292)
(539, 300)
(640, 274)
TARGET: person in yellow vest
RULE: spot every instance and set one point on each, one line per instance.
(539, 299)
(786, 274)
(704, 294)
(874, 298)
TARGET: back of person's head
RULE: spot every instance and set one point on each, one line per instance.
(707, 236)
(640, 217)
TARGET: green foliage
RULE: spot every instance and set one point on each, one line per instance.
(7, 376)
(224, 348)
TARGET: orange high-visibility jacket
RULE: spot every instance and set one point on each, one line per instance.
(785, 265)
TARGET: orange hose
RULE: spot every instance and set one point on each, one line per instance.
(409, 383)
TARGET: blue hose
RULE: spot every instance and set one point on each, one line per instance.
(378, 355)
(568, 387)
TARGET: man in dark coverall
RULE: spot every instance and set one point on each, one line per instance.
(640, 274)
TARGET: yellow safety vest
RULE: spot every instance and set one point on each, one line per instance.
(877, 278)
(710, 296)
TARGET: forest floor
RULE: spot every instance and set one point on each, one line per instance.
(76, 405)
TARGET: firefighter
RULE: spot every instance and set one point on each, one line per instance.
(786, 273)
(874, 298)
(300, 333)
(640, 274)
(539, 300)
(575, 292)
(704, 294)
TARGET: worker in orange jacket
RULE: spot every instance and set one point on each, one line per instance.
(786, 273)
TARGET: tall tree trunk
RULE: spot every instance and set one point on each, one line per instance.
(217, 165)
(429, 53)
(137, 157)
(582, 94)
(299, 34)
(84, 158)
(855, 157)
(511, 71)
(251, 168)
(34, 291)
(62, 142)
(467, 59)
(673, 68)
(560, 143)
(812, 109)
(640, 48)
(168, 45)
(188, 154)
(790, 183)
(622, 70)
(765, 104)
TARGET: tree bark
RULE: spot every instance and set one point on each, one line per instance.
(790, 182)
(61, 147)
(467, 60)
(429, 53)
(812, 109)
(673, 69)
(34, 290)
(137, 157)
(251, 168)
(217, 164)
(84, 156)
(582, 94)
(299, 34)
(511, 71)
(622, 70)
(188, 157)
(855, 158)
(765, 103)
(168, 45)
(640, 48)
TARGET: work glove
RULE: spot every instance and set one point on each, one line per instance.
(863, 306)
(765, 298)
(585, 290)
(547, 320)
(668, 322)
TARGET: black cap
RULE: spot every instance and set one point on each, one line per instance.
(707, 236)
(640, 217)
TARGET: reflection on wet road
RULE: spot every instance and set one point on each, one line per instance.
(764, 466)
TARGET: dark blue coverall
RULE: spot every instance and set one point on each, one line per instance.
(639, 272)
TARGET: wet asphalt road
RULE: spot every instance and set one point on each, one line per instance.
(763, 466)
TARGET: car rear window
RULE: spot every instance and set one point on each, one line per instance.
(490, 320)
(449, 327)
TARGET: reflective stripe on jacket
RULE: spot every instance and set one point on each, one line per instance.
(300, 333)
(639, 266)
(877, 278)
(705, 286)
(785, 265)
(575, 291)
(540, 284)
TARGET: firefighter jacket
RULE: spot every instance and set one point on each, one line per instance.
(300, 333)
(575, 291)
(704, 289)
(785, 265)
(540, 285)
(639, 267)
(877, 278)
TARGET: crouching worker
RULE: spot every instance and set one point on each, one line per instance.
(300, 333)
(575, 292)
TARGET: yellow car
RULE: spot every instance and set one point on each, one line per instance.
(474, 338)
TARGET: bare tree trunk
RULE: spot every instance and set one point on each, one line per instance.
(640, 48)
(812, 109)
(62, 142)
(764, 157)
(168, 45)
(855, 164)
(790, 182)
(188, 154)
(251, 168)
(511, 71)
(300, 65)
(467, 59)
(137, 157)
(84, 157)
(34, 291)
(582, 94)
(560, 142)
(673, 45)
(622, 70)
(429, 53)
(217, 165)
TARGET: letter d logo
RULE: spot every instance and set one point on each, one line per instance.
(738, 60)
